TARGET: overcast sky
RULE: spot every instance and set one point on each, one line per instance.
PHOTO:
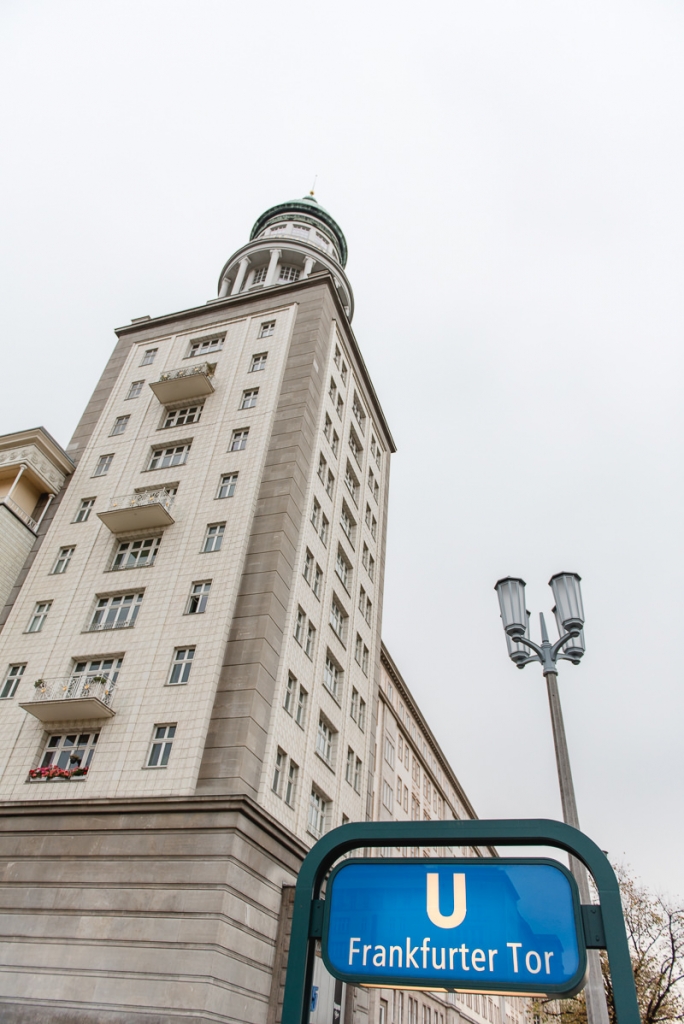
(509, 177)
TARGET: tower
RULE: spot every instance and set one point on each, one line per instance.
(191, 661)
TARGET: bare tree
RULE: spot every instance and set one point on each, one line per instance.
(655, 932)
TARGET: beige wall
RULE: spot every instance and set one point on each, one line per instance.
(16, 540)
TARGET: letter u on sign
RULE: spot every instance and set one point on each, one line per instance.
(433, 912)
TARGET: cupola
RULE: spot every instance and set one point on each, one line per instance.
(290, 242)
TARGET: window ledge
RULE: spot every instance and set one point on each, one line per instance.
(326, 763)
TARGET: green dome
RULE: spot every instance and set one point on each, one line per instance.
(311, 209)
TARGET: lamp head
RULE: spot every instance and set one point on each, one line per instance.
(568, 597)
(511, 593)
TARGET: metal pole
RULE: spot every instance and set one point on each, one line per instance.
(597, 1007)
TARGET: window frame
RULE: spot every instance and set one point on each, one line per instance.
(180, 670)
(164, 742)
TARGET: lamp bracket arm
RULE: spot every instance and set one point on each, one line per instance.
(534, 657)
(531, 644)
(563, 641)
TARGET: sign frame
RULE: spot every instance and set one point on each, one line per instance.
(388, 981)
(604, 926)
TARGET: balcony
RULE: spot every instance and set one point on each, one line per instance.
(184, 384)
(143, 510)
(19, 512)
(71, 699)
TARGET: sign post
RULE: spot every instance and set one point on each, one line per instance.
(496, 924)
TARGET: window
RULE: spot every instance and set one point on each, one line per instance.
(12, 680)
(63, 559)
(362, 600)
(317, 581)
(343, 569)
(249, 398)
(332, 676)
(289, 274)
(399, 791)
(364, 556)
(362, 714)
(338, 620)
(415, 809)
(132, 554)
(325, 739)
(349, 770)
(239, 441)
(200, 348)
(300, 624)
(359, 414)
(278, 771)
(149, 356)
(316, 515)
(325, 526)
(120, 424)
(332, 390)
(330, 484)
(310, 640)
(267, 328)
(162, 742)
(369, 610)
(84, 510)
(119, 612)
(227, 485)
(327, 429)
(406, 792)
(39, 616)
(364, 660)
(291, 787)
(318, 814)
(339, 408)
(87, 671)
(308, 566)
(103, 465)
(162, 458)
(199, 595)
(352, 483)
(182, 663)
(376, 451)
(300, 711)
(337, 358)
(389, 751)
(358, 648)
(135, 389)
(355, 446)
(213, 538)
(358, 766)
(373, 485)
(347, 523)
(388, 796)
(335, 443)
(181, 417)
(261, 272)
(290, 691)
(72, 751)
(371, 567)
(343, 372)
(258, 362)
(322, 466)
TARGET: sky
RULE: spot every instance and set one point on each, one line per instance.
(509, 180)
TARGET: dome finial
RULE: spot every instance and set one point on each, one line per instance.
(313, 187)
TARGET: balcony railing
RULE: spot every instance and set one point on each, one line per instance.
(71, 698)
(186, 382)
(139, 511)
(18, 511)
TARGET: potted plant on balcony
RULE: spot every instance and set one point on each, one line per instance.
(39, 684)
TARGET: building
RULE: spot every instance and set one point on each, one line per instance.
(33, 471)
(415, 782)
(195, 648)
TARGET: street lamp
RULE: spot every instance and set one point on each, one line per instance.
(569, 613)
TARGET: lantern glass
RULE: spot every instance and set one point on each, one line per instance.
(575, 648)
(511, 592)
(568, 597)
(518, 652)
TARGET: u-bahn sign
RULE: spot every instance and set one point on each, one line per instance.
(492, 925)
(497, 925)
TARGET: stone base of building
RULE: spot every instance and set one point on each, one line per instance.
(143, 912)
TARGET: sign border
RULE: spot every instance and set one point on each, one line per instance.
(565, 990)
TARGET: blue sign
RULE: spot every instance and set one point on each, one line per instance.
(493, 925)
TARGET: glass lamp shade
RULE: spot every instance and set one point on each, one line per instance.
(511, 593)
(568, 598)
(518, 652)
(575, 648)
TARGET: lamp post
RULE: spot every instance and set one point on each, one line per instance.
(569, 613)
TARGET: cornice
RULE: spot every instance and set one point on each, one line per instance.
(45, 443)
